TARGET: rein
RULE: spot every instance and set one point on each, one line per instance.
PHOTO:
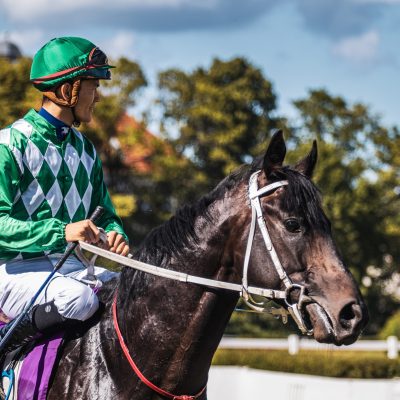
(293, 309)
(135, 368)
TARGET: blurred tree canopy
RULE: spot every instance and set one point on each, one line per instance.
(357, 175)
(216, 118)
(17, 94)
(222, 116)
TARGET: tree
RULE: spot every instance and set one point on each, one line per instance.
(357, 172)
(17, 94)
(222, 115)
(117, 95)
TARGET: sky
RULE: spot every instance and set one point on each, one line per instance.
(348, 47)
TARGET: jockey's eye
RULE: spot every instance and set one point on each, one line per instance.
(292, 225)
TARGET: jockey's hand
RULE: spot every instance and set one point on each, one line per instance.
(85, 230)
(117, 243)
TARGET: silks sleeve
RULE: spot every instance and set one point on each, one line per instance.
(19, 235)
(109, 221)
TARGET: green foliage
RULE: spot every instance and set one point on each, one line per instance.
(215, 119)
(339, 364)
(391, 327)
(223, 115)
(117, 95)
(357, 172)
(125, 204)
(17, 94)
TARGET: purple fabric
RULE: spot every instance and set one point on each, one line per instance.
(36, 370)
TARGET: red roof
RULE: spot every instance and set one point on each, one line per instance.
(138, 145)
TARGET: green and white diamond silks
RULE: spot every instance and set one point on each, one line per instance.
(45, 184)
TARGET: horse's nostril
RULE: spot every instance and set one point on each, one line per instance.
(350, 315)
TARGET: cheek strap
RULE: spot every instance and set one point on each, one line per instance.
(71, 102)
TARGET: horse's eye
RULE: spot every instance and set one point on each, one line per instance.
(292, 225)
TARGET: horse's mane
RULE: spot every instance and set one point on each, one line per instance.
(178, 233)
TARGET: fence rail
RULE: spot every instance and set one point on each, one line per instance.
(294, 343)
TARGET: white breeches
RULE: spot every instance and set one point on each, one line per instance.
(21, 279)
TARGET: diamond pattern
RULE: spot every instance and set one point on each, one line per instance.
(72, 200)
(55, 198)
(53, 159)
(23, 126)
(33, 158)
(33, 197)
(57, 179)
(88, 162)
(87, 197)
(54, 179)
(5, 136)
(17, 196)
(71, 158)
(18, 157)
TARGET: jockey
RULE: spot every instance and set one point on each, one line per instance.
(51, 182)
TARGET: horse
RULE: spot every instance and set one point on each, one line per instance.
(172, 329)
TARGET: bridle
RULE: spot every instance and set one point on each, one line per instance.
(293, 308)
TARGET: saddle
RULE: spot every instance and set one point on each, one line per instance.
(27, 370)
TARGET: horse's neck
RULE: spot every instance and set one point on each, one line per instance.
(184, 322)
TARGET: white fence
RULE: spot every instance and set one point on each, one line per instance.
(293, 344)
(241, 383)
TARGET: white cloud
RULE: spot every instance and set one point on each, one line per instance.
(358, 49)
(28, 9)
(139, 15)
(122, 44)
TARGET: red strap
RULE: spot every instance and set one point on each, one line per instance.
(136, 369)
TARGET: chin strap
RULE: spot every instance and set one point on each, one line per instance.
(71, 102)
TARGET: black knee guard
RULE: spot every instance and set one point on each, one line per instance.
(47, 319)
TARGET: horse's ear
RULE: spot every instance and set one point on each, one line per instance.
(307, 164)
(275, 154)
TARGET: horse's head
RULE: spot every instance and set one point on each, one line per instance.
(331, 303)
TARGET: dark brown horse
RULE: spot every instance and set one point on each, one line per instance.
(172, 329)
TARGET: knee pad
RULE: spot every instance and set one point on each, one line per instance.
(46, 318)
(78, 302)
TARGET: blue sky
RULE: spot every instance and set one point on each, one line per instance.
(349, 47)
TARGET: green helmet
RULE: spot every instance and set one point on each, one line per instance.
(67, 58)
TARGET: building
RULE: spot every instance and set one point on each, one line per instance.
(9, 50)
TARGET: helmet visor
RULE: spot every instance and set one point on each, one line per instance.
(97, 58)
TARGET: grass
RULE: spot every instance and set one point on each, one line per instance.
(343, 364)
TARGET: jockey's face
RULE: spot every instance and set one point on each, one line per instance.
(88, 97)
